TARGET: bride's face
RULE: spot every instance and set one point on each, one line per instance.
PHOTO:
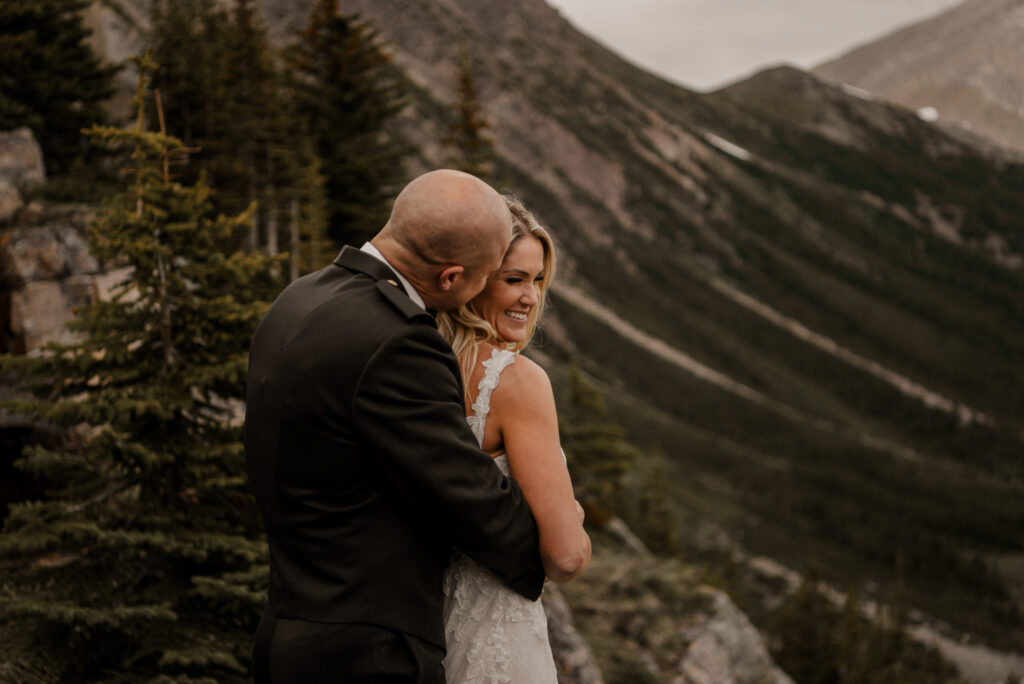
(513, 291)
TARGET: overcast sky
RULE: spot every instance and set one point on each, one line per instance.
(704, 44)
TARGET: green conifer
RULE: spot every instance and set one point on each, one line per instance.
(805, 626)
(347, 91)
(50, 80)
(658, 526)
(145, 562)
(226, 96)
(472, 148)
(193, 80)
(223, 96)
(598, 455)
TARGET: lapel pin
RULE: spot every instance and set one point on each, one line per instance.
(392, 282)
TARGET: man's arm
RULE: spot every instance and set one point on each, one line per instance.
(408, 410)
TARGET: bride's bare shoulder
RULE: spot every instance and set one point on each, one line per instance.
(524, 379)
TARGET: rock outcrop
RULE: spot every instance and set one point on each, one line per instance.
(21, 159)
(45, 272)
(652, 619)
(726, 647)
(21, 163)
(573, 656)
(10, 202)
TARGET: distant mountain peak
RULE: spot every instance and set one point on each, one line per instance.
(950, 63)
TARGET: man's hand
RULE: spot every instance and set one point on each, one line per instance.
(579, 511)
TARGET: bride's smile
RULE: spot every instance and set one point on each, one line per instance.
(512, 293)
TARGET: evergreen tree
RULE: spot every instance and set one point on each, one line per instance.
(657, 521)
(252, 152)
(472, 148)
(347, 91)
(223, 96)
(193, 81)
(146, 561)
(50, 80)
(309, 247)
(598, 455)
(235, 105)
(815, 642)
(805, 626)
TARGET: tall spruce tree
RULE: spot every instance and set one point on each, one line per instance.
(190, 42)
(656, 519)
(472, 149)
(346, 89)
(227, 96)
(223, 96)
(251, 147)
(145, 562)
(50, 80)
(598, 456)
(309, 247)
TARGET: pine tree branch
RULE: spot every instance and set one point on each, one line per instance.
(102, 496)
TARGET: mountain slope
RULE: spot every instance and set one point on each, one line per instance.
(951, 63)
(812, 302)
(692, 216)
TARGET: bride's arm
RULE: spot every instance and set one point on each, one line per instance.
(523, 406)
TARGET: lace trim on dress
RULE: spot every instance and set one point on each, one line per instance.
(499, 361)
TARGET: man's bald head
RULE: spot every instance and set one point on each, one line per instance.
(442, 219)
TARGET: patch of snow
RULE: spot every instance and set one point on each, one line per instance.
(929, 114)
(729, 148)
(857, 92)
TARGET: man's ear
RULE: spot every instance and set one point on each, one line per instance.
(448, 277)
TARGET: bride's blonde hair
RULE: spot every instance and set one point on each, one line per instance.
(466, 330)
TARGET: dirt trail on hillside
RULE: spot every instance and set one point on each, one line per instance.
(691, 365)
(965, 414)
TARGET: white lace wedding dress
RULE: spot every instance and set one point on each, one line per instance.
(494, 635)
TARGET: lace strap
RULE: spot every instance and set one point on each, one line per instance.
(499, 361)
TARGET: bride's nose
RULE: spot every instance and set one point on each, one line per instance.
(530, 295)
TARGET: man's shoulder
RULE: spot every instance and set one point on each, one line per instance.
(355, 301)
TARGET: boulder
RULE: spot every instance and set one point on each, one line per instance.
(10, 201)
(573, 656)
(726, 647)
(46, 271)
(49, 252)
(39, 311)
(21, 159)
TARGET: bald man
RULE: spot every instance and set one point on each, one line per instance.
(358, 451)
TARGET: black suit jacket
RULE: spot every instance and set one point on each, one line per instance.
(362, 463)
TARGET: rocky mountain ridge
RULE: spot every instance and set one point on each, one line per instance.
(946, 68)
